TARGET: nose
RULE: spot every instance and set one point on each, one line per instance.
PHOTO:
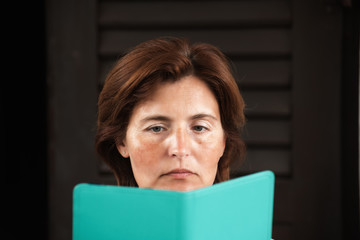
(179, 145)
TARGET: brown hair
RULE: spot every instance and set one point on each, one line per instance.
(133, 78)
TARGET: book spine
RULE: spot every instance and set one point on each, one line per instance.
(187, 218)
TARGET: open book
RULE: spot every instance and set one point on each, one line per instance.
(240, 208)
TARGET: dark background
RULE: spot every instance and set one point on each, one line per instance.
(24, 121)
(25, 118)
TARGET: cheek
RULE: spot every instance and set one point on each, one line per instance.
(210, 151)
(214, 146)
(144, 156)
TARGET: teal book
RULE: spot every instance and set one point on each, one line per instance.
(240, 208)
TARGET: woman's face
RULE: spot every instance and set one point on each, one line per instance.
(175, 138)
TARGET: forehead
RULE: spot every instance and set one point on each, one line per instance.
(187, 95)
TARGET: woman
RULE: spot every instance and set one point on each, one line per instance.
(170, 116)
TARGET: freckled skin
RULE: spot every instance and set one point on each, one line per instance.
(178, 127)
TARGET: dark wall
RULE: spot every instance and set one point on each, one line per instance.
(23, 120)
(350, 121)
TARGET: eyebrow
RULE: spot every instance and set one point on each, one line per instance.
(156, 118)
(203, 115)
(167, 119)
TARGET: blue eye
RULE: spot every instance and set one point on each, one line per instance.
(199, 128)
(156, 129)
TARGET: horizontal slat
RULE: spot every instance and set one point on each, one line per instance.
(276, 160)
(268, 133)
(268, 73)
(174, 13)
(248, 73)
(260, 103)
(245, 42)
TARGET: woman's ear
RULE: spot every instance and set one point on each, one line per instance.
(123, 150)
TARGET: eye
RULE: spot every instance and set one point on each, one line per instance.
(156, 129)
(199, 128)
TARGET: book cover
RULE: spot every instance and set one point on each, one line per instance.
(240, 208)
